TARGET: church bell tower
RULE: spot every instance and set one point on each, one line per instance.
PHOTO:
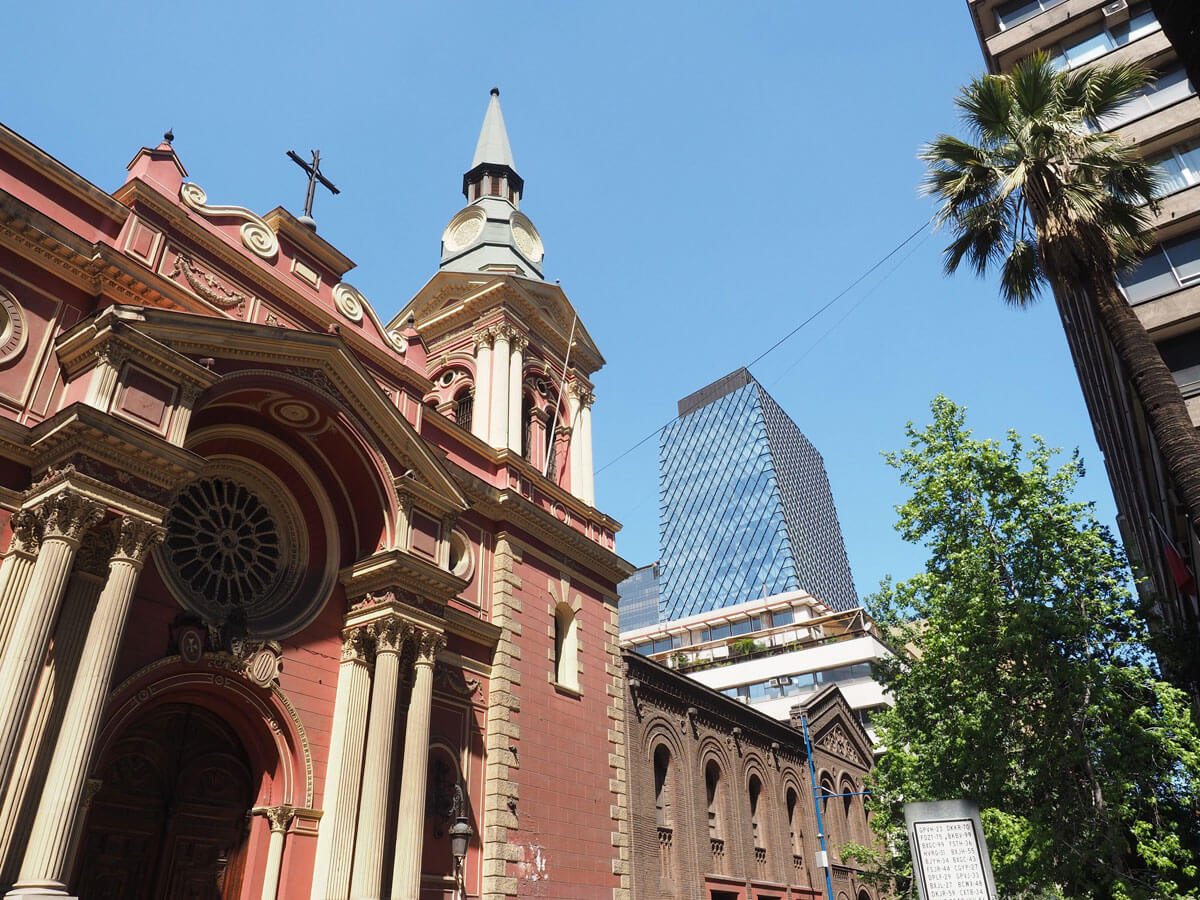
(491, 234)
(509, 358)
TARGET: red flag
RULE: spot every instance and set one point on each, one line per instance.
(1185, 580)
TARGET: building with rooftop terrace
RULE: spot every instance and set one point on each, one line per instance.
(773, 652)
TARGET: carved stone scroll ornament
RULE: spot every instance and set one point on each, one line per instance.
(206, 285)
(349, 301)
(256, 233)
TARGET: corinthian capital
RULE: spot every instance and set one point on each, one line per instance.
(357, 645)
(519, 342)
(26, 527)
(68, 515)
(391, 635)
(427, 645)
(483, 338)
(135, 537)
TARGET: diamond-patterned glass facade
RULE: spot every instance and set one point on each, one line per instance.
(745, 508)
(638, 599)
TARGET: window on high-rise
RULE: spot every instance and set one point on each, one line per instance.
(1180, 166)
(1170, 86)
(1094, 43)
(1017, 11)
(1169, 266)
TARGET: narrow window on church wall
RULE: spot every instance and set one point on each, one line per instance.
(566, 647)
(662, 786)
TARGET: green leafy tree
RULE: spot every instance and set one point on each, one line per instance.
(1044, 197)
(1029, 689)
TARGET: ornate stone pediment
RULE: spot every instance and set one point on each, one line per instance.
(837, 742)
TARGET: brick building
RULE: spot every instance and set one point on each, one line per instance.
(721, 798)
(287, 590)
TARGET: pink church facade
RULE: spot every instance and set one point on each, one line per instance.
(289, 591)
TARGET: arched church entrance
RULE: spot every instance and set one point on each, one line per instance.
(171, 816)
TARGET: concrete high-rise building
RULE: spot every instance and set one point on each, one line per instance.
(745, 508)
(1163, 122)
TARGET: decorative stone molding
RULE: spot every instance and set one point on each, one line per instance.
(96, 551)
(391, 635)
(257, 235)
(837, 742)
(68, 515)
(207, 286)
(349, 301)
(518, 342)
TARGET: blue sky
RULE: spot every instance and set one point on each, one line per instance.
(704, 176)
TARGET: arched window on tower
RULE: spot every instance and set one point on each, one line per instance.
(464, 408)
(566, 647)
(795, 836)
(551, 456)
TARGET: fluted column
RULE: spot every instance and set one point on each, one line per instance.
(483, 385)
(280, 818)
(575, 445)
(498, 431)
(47, 858)
(588, 493)
(65, 518)
(17, 567)
(335, 841)
(516, 369)
(410, 828)
(367, 880)
(44, 723)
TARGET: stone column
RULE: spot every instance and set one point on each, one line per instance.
(280, 818)
(44, 723)
(369, 849)
(17, 567)
(575, 445)
(65, 518)
(483, 385)
(335, 840)
(47, 858)
(516, 369)
(182, 416)
(410, 829)
(588, 494)
(498, 431)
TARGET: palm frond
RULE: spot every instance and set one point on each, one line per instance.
(1035, 85)
(1021, 276)
(1098, 90)
(987, 106)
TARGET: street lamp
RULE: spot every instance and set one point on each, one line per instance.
(460, 836)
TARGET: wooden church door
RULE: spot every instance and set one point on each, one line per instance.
(171, 817)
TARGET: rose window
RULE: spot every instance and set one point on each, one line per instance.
(235, 547)
(223, 542)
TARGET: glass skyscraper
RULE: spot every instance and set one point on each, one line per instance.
(745, 508)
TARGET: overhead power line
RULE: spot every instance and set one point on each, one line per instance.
(855, 283)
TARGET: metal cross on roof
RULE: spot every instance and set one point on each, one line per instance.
(314, 175)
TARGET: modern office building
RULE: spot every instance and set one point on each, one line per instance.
(773, 653)
(745, 508)
(639, 595)
(1163, 121)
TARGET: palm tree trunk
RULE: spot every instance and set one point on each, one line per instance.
(1069, 266)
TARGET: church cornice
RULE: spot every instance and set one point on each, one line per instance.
(454, 301)
(67, 179)
(508, 505)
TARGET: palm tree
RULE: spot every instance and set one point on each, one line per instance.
(1046, 197)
